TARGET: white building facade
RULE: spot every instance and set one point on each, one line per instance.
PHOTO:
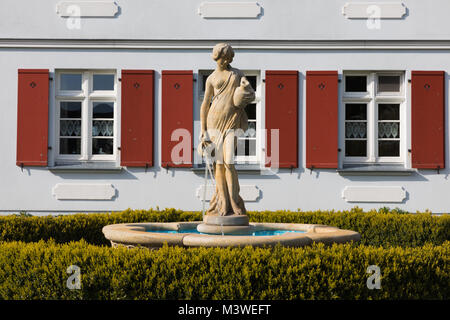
(101, 101)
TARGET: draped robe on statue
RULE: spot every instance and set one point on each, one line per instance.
(225, 115)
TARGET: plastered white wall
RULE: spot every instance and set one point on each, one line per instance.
(179, 19)
(31, 190)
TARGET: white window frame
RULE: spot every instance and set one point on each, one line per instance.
(372, 98)
(242, 160)
(87, 96)
(256, 159)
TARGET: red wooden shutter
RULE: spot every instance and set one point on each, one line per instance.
(428, 119)
(321, 119)
(32, 117)
(282, 114)
(137, 118)
(177, 118)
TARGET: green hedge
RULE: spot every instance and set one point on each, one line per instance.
(38, 271)
(376, 228)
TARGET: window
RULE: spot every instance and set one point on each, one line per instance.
(249, 144)
(373, 110)
(86, 113)
(356, 83)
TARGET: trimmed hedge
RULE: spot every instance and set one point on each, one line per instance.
(376, 228)
(38, 271)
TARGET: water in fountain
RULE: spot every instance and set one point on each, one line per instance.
(256, 233)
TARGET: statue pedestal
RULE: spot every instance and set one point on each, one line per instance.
(232, 220)
(226, 225)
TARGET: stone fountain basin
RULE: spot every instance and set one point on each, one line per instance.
(138, 235)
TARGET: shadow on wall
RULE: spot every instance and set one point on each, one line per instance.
(122, 175)
(414, 177)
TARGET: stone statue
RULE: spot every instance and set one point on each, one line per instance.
(223, 119)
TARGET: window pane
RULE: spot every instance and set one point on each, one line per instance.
(355, 111)
(70, 146)
(355, 130)
(204, 77)
(103, 110)
(70, 109)
(388, 83)
(103, 82)
(252, 80)
(388, 130)
(355, 83)
(250, 109)
(102, 128)
(246, 147)
(240, 149)
(68, 128)
(388, 112)
(250, 147)
(355, 148)
(102, 146)
(251, 131)
(389, 148)
(70, 81)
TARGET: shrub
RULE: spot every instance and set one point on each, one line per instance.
(65, 228)
(385, 229)
(38, 271)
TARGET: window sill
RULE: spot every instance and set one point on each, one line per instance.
(375, 170)
(240, 168)
(108, 167)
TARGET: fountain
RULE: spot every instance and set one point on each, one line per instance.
(225, 223)
(186, 234)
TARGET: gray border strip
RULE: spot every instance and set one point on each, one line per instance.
(238, 44)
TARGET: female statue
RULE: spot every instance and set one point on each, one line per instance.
(223, 119)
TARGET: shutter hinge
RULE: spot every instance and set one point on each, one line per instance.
(49, 147)
(339, 149)
(50, 78)
(409, 80)
(118, 148)
(339, 80)
(409, 150)
(120, 79)
(264, 80)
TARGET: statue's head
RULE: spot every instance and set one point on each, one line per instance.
(223, 53)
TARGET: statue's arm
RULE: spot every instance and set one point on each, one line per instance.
(209, 92)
